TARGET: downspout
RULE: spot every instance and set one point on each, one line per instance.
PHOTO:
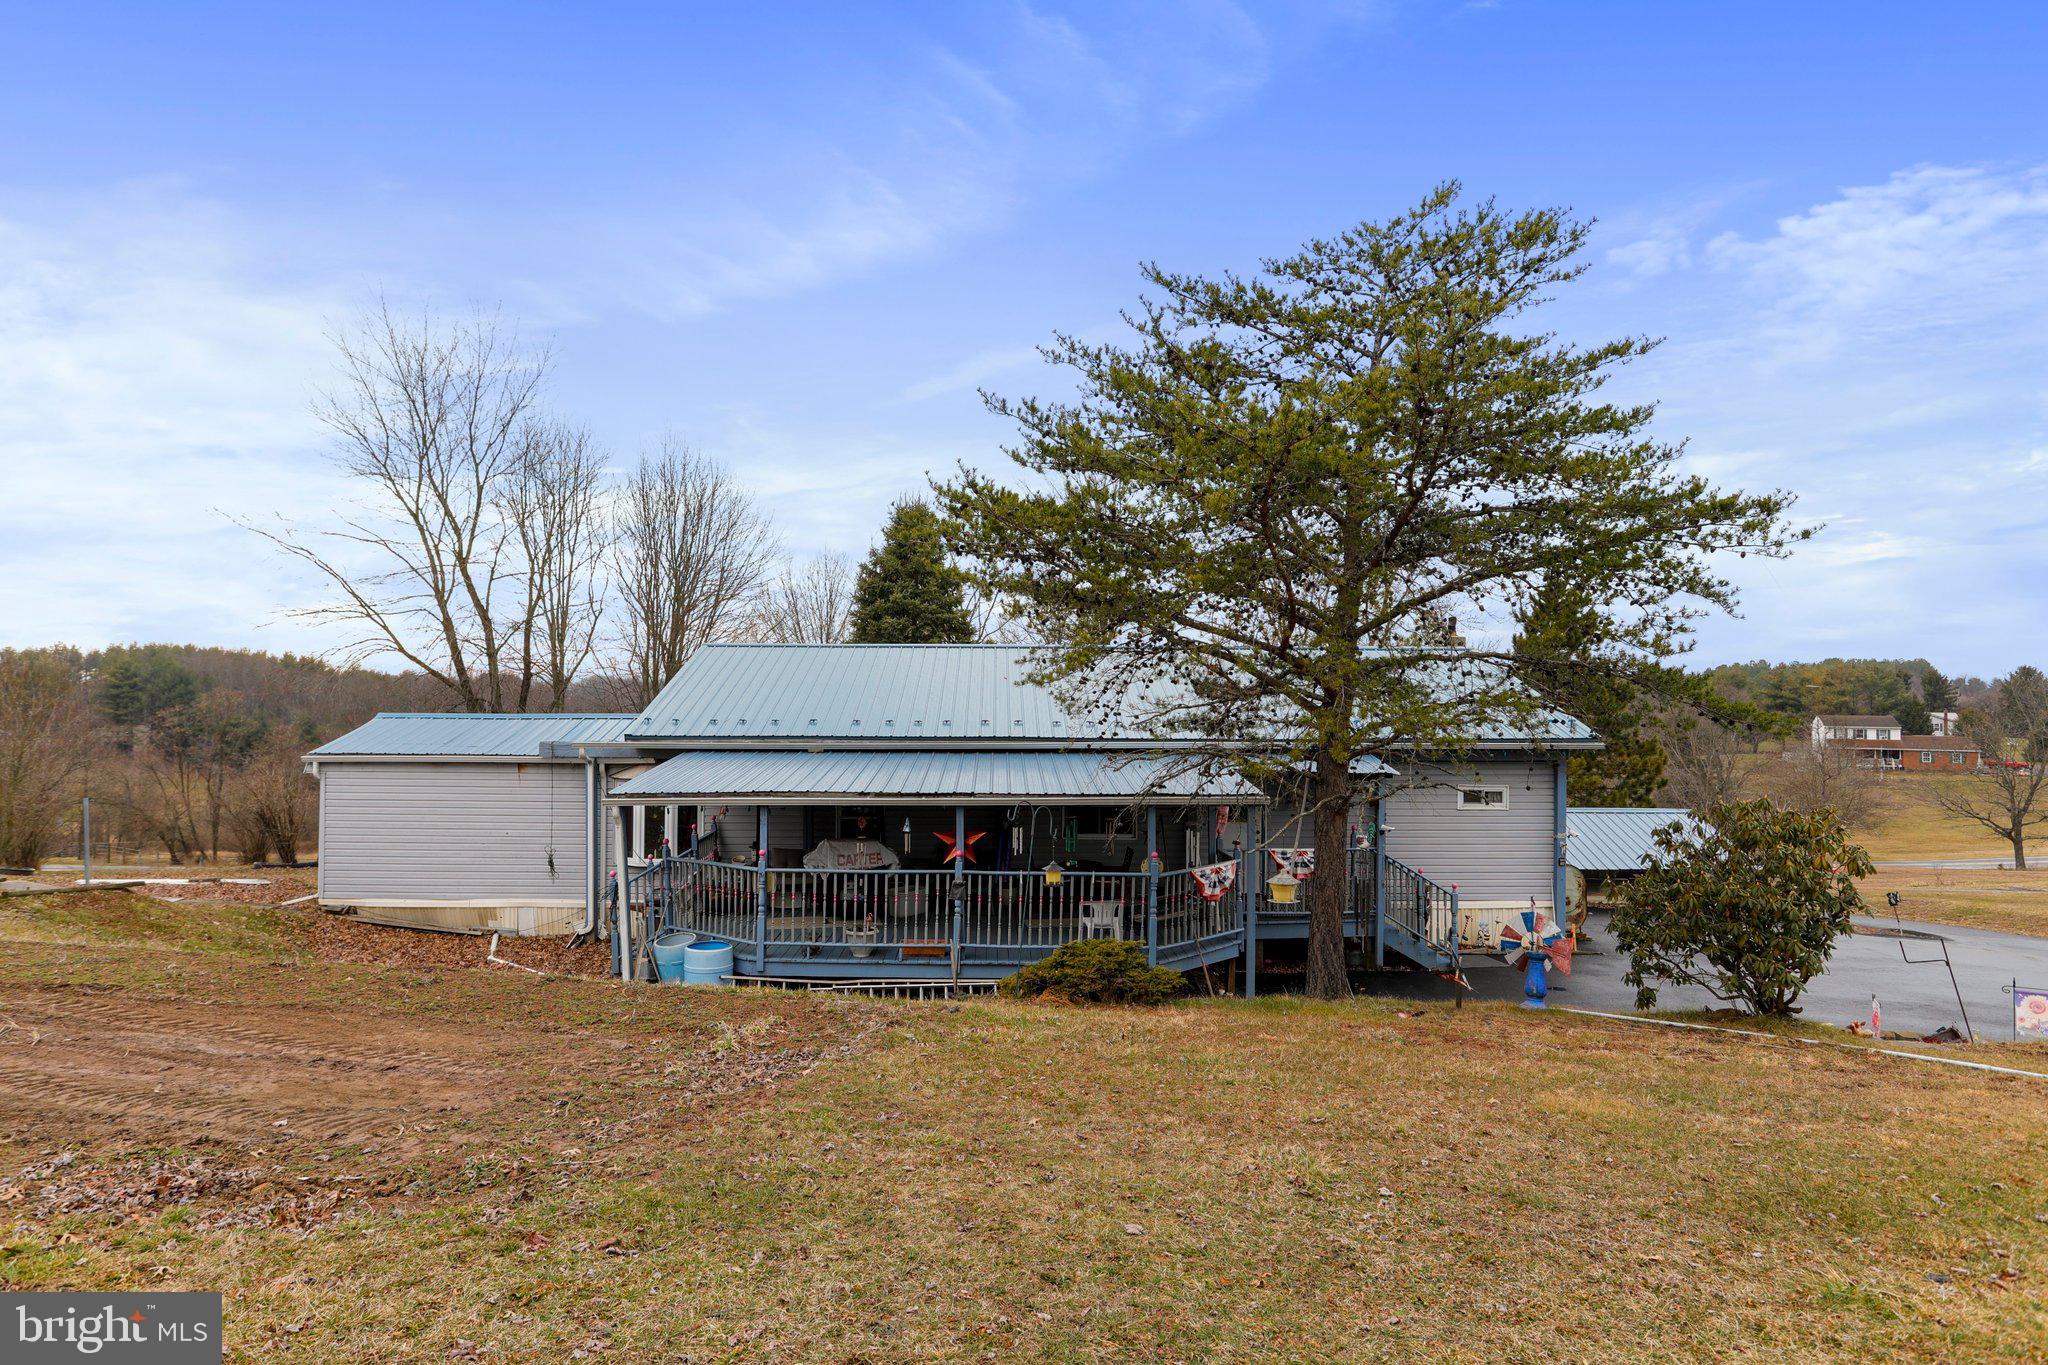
(593, 848)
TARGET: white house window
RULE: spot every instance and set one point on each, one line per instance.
(1482, 798)
(1860, 733)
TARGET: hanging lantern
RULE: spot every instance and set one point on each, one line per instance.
(1053, 873)
(1280, 886)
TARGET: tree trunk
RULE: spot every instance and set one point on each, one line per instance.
(1330, 790)
(2019, 849)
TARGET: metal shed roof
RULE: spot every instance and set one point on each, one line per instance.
(838, 776)
(1618, 839)
(463, 734)
(916, 695)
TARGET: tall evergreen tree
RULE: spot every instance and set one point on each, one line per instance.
(2022, 706)
(137, 683)
(1937, 691)
(1559, 626)
(1255, 518)
(907, 593)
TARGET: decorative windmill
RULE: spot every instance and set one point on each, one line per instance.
(1532, 941)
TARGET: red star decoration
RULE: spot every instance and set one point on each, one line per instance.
(964, 850)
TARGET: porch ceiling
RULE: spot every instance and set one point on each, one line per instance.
(846, 776)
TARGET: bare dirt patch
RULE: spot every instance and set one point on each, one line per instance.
(87, 1066)
(337, 938)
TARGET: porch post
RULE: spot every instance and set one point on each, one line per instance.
(959, 886)
(1379, 879)
(622, 925)
(671, 826)
(1152, 886)
(1254, 864)
(761, 889)
(1557, 910)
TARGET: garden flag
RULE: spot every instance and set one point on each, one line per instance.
(2029, 1012)
(1300, 862)
(1215, 879)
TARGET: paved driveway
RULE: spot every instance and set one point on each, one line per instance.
(1915, 996)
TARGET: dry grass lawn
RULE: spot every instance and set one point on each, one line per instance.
(1907, 827)
(1975, 898)
(646, 1174)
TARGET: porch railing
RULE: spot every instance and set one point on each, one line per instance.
(1188, 918)
(996, 918)
(1427, 911)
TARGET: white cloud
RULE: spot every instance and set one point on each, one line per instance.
(965, 142)
(147, 376)
(972, 372)
(1880, 354)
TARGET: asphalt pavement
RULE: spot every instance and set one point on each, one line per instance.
(1915, 995)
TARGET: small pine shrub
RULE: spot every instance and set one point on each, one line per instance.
(1097, 971)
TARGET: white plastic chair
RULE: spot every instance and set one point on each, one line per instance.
(1102, 919)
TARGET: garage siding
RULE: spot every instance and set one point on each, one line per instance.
(451, 832)
(1491, 855)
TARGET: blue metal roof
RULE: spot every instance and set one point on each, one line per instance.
(1618, 839)
(464, 734)
(922, 694)
(840, 775)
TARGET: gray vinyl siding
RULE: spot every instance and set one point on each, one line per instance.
(1491, 855)
(451, 831)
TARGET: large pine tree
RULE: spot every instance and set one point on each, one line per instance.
(1561, 624)
(907, 592)
(1265, 505)
(1937, 691)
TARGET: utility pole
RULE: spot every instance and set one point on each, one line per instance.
(85, 838)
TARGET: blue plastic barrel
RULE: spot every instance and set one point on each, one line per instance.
(706, 962)
(668, 954)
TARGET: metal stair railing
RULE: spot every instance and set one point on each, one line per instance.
(1424, 910)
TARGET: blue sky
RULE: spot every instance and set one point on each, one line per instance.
(800, 237)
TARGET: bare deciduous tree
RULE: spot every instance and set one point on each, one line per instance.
(689, 552)
(2010, 797)
(47, 736)
(553, 500)
(806, 603)
(1812, 779)
(430, 418)
(1704, 763)
(275, 804)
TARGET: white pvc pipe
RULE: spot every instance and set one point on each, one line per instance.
(1807, 1042)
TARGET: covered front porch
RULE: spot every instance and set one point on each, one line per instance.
(921, 865)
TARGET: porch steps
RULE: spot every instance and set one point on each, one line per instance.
(902, 989)
(1422, 953)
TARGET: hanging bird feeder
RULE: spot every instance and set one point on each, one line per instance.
(1280, 887)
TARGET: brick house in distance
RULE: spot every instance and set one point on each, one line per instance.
(1878, 742)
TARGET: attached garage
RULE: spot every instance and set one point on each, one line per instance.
(459, 822)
